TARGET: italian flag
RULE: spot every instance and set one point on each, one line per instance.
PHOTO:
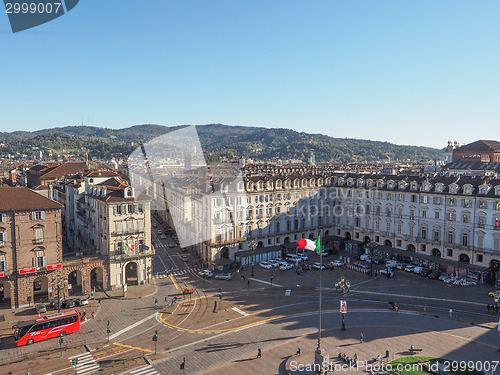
(129, 247)
(307, 244)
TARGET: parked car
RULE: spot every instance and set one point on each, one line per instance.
(278, 259)
(425, 272)
(336, 263)
(67, 303)
(273, 263)
(205, 273)
(303, 256)
(443, 277)
(417, 269)
(80, 301)
(318, 266)
(41, 308)
(409, 268)
(171, 244)
(265, 265)
(434, 274)
(364, 257)
(283, 263)
(286, 266)
(224, 276)
(401, 266)
(293, 258)
(184, 258)
(391, 263)
(54, 303)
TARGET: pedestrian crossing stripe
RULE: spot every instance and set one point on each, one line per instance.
(145, 370)
(86, 364)
(183, 272)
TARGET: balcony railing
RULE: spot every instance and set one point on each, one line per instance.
(134, 254)
(38, 240)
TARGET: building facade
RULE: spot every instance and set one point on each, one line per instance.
(30, 247)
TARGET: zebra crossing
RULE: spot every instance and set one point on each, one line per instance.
(145, 370)
(184, 272)
(86, 364)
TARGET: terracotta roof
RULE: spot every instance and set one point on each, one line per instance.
(24, 199)
(54, 171)
(107, 173)
(481, 145)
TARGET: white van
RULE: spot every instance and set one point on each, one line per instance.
(293, 258)
(417, 270)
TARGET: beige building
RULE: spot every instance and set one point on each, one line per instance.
(30, 247)
(114, 221)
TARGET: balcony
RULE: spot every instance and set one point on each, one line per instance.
(133, 254)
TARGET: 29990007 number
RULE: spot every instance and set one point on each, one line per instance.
(485, 366)
(18, 7)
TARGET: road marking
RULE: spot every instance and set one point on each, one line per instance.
(240, 311)
(173, 280)
(133, 347)
(86, 363)
(145, 370)
(265, 282)
(131, 327)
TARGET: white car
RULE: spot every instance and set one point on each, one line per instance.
(286, 266)
(205, 273)
(409, 268)
(336, 263)
(163, 236)
(318, 266)
(159, 231)
(303, 256)
(273, 263)
(283, 263)
(265, 265)
(443, 277)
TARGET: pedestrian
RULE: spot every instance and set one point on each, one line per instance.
(299, 351)
(259, 353)
(93, 314)
(451, 313)
(156, 302)
(361, 337)
(355, 358)
(99, 302)
(84, 315)
(215, 307)
(248, 282)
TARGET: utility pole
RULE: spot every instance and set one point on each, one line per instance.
(155, 339)
(108, 331)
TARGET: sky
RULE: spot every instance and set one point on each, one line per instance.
(407, 72)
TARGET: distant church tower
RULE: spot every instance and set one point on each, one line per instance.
(449, 151)
(312, 159)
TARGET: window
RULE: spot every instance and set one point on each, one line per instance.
(424, 213)
(450, 236)
(38, 215)
(451, 216)
(131, 208)
(119, 248)
(3, 263)
(482, 204)
(119, 227)
(39, 259)
(3, 218)
(38, 235)
(437, 235)
(479, 258)
(413, 198)
(482, 221)
(3, 238)
(465, 218)
(140, 208)
(452, 202)
(377, 225)
(436, 215)
(465, 239)
(423, 247)
(424, 233)
(399, 227)
(412, 213)
(425, 199)
(480, 240)
(497, 206)
(412, 230)
(118, 210)
(450, 252)
(466, 203)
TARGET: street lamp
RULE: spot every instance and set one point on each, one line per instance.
(343, 287)
(252, 245)
(59, 282)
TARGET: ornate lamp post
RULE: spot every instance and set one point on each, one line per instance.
(343, 287)
(252, 245)
(59, 282)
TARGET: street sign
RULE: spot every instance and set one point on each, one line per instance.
(343, 306)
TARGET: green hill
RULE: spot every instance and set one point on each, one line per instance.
(239, 142)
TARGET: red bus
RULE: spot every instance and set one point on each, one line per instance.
(47, 327)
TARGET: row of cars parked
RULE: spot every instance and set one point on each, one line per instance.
(65, 304)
